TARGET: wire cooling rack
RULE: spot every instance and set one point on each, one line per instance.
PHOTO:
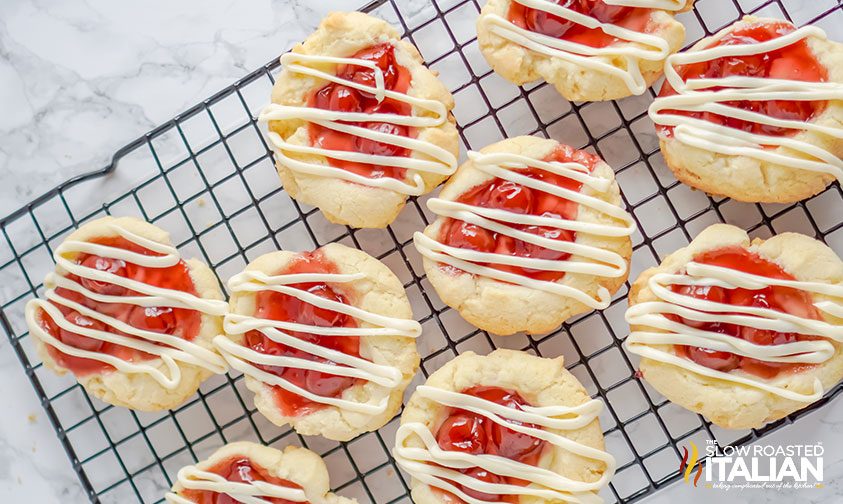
(207, 177)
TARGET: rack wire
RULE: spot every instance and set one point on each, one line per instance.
(207, 176)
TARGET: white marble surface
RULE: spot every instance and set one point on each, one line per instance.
(79, 78)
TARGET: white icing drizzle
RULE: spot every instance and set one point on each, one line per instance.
(170, 349)
(193, 478)
(244, 359)
(438, 468)
(426, 157)
(502, 165)
(651, 314)
(697, 95)
(634, 46)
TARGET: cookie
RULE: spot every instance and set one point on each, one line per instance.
(325, 339)
(127, 316)
(755, 112)
(508, 423)
(358, 123)
(741, 331)
(586, 49)
(247, 472)
(529, 232)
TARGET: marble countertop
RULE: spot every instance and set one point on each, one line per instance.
(80, 78)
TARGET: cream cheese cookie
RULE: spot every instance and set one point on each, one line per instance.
(754, 112)
(358, 123)
(127, 316)
(508, 423)
(742, 331)
(246, 472)
(325, 339)
(590, 50)
(529, 233)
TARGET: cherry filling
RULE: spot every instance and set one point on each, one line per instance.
(469, 432)
(783, 299)
(278, 306)
(343, 98)
(506, 195)
(793, 62)
(539, 21)
(238, 470)
(181, 322)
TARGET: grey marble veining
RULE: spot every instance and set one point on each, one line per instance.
(80, 78)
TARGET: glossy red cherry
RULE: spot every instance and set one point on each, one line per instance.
(326, 385)
(482, 475)
(549, 24)
(469, 236)
(783, 299)
(323, 317)
(463, 432)
(719, 361)
(526, 249)
(77, 340)
(158, 319)
(766, 337)
(500, 439)
(114, 266)
(510, 443)
(508, 195)
(607, 13)
(338, 97)
(708, 293)
(383, 55)
(369, 146)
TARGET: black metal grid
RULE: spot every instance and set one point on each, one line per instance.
(232, 214)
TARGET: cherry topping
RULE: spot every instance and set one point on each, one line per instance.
(369, 146)
(469, 236)
(154, 318)
(382, 55)
(481, 474)
(720, 361)
(508, 195)
(794, 62)
(178, 321)
(339, 98)
(464, 433)
(344, 98)
(114, 266)
(708, 293)
(239, 470)
(77, 340)
(783, 299)
(469, 432)
(539, 21)
(278, 306)
(513, 197)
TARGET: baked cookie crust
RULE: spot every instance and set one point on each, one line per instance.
(342, 34)
(139, 391)
(505, 308)
(749, 179)
(380, 292)
(541, 381)
(573, 81)
(295, 464)
(728, 404)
